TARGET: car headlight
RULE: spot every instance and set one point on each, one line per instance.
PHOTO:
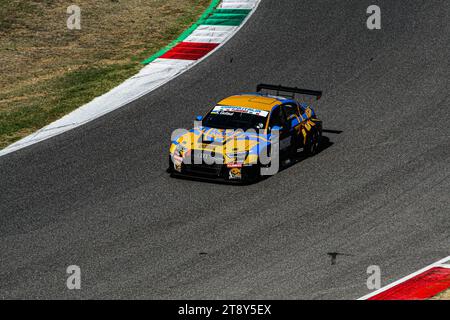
(179, 150)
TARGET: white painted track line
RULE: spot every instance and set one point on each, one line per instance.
(211, 34)
(238, 4)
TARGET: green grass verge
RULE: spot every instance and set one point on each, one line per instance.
(48, 71)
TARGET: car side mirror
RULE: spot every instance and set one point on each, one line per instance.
(199, 118)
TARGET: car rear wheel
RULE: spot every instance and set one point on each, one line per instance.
(313, 143)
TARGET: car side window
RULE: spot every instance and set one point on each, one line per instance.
(302, 109)
(277, 118)
(291, 110)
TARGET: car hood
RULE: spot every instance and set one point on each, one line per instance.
(221, 141)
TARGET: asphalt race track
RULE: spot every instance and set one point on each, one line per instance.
(99, 197)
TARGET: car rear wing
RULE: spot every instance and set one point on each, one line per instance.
(280, 88)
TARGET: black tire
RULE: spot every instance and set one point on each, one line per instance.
(313, 142)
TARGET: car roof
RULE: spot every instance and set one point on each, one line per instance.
(254, 101)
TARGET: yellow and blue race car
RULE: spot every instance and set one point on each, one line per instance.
(246, 136)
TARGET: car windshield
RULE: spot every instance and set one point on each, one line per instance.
(229, 117)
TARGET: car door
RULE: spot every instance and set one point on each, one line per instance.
(278, 118)
(293, 116)
(295, 122)
(305, 129)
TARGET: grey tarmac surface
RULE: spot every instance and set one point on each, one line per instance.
(99, 197)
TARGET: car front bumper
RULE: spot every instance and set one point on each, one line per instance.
(215, 172)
